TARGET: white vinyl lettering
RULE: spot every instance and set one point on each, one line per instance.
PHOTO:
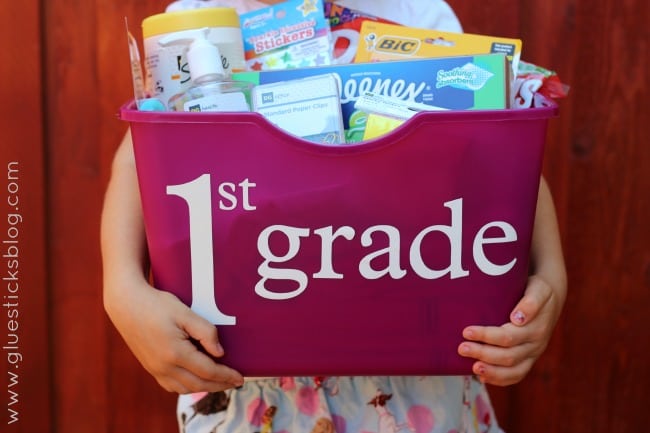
(245, 186)
(392, 250)
(483, 263)
(197, 196)
(454, 234)
(228, 199)
(328, 236)
(293, 235)
(228, 193)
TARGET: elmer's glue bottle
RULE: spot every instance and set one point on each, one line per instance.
(210, 89)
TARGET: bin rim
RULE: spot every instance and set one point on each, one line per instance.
(549, 109)
(129, 113)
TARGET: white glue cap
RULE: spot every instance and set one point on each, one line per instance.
(203, 57)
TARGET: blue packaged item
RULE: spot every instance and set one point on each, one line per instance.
(455, 83)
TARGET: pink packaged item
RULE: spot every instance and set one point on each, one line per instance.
(362, 259)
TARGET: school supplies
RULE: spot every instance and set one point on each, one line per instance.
(293, 34)
(463, 82)
(381, 41)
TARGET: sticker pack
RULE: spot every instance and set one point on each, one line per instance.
(288, 35)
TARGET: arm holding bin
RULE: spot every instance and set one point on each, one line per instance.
(157, 327)
(506, 354)
(139, 312)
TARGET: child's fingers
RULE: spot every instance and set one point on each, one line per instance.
(182, 368)
(181, 365)
(202, 331)
(537, 294)
(499, 375)
(196, 347)
(506, 335)
(219, 382)
(182, 381)
(170, 384)
(205, 368)
(494, 355)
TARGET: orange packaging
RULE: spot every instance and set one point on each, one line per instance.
(382, 41)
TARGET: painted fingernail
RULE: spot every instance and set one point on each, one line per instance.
(518, 317)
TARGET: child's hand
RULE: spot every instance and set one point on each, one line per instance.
(159, 330)
(505, 354)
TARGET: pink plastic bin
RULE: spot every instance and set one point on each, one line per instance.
(349, 260)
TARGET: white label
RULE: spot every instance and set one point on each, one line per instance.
(166, 67)
(218, 102)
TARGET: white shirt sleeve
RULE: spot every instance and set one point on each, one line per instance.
(242, 6)
(426, 14)
(431, 14)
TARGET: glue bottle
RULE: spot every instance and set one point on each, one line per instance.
(211, 90)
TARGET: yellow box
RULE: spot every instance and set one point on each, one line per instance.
(378, 125)
(381, 41)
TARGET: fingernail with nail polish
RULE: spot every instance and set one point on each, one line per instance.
(519, 318)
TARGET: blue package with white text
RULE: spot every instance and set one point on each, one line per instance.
(456, 83)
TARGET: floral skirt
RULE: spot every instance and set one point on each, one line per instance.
(359, 404)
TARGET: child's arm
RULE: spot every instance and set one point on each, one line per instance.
(506, 354)
(156, 326)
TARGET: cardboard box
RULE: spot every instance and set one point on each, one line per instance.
(382, 41)
(307, 107)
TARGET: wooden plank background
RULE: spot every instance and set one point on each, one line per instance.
(65, 73)
(25, 376)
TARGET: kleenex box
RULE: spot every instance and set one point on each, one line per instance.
(307, 107)
(457, 83)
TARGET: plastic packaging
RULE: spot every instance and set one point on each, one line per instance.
(290, 34)
(210, 89)
(345, 25)
(166, 67)
(531, 81)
